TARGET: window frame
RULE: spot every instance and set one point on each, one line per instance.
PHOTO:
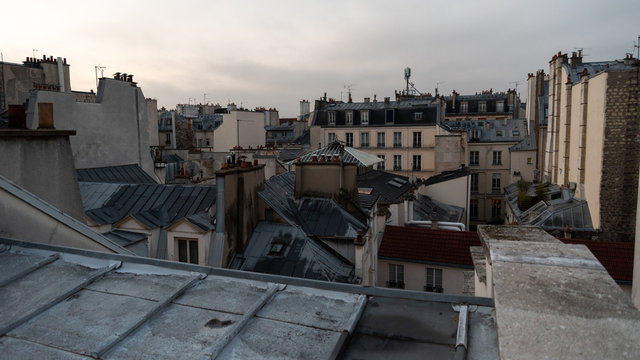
(474, 155)
(473, 208)
(464, 107)
(397, 162)
(381, 165)
(364, 143)
(348, 139)
(331, 137)
(475, 182)
(433, 280)
(381, 135)
(348, 117)
(331, 117)
(397, 280)
(364, 117)
(497, 158)
(397, 139)
(482, 106)
(417, 116)
(189, 243)
(496, 180)
(417, 139)
(417, 165)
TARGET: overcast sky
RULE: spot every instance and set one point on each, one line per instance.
(274, 53)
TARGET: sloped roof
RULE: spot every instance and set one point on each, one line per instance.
(109, 306)
(616, 257)
(527, 144)
(316, 216)
(447, 175)
(553, 214)
(286, 250)
(391, 187)
(153, 205)
(351, 155)
(171, 158)
(444, 247)
(490, 130)
(124, 174)
(288, 154)
(423, 209)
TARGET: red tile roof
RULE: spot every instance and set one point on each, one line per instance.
(420, 244)
(616, 257)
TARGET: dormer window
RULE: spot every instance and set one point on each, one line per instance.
(515, 133)
(498, 132)
(332, 117)
(364, 117)
(417, 116)
(499, 106)
(464, 107)
(388, 115)
(348, 118)
(482, 106)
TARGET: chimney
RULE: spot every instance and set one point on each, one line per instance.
(366, 100)
(434, 219)
(350, 100)
(453, 99)
(45, 116)
(567, 232)
(386, 100)
(576, 59)
(375, 98)
(17, 117)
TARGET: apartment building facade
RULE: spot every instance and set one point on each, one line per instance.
(591, 143)
(402, 133)
(482, 106)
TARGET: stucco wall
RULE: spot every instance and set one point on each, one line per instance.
(250, 124)
(323, 179)
(41, 162)
(19, 80)
(113, 131)
(415, 276)
(523, 162)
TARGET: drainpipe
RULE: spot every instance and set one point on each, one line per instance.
(61, 75)
(217, 255)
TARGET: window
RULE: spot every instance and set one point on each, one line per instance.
(331, 137)
(417, 163)
(495, 208)
(497, 158)
(396, 276)
(482, 106)
(474, 157)
(348, 118)
(349, 139)
(417, 116)
(397, 139)
(169, 121)
(495, 182)
(277, 248)
(499, 106)
(381, 164)
(529, 161)
(188, 250)
(475, 134)
(397, 162)
(364, 139)
(388, 115)
(167, 138)
(208, 142)
(474, 182)
(515, 133)
(473, 208)
(364, 117)
(434, 280)
(381, 138)
(464, 107)
(417, 139)
(498, 132)
(332, 117)
(199, 142)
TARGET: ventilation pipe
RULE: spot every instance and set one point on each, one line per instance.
(61, 75)
(217, 255)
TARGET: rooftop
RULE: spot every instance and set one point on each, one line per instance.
(351, 155)
(390, 187)
(491, 130)
(84, 305)
(123, 174)
(442, 247)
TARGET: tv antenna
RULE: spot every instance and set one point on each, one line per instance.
(581, 51)
(438, 85)
(101, 68)
(516, 83)
(348, 87)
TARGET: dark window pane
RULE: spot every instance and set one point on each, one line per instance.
(182, 250)
(193, 252)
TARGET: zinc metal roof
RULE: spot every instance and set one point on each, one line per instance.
(351, 155)
(424, 207)
(391, 187)
(490, 130)
(124, 174)
(286, 250)
(66, 303)
(155, 205)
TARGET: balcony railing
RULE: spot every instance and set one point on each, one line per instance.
(395, 284)
(437, 289)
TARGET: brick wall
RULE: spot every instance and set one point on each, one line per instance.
(621, 157)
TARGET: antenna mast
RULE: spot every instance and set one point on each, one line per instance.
(101, 68)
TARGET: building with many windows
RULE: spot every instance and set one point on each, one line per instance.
(483, 106)
(488, 146)
(402, 133)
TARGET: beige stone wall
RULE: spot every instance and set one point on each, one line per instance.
(251, 127)
(426, 151)
(523, 162)
(485, 170)
(323, 179)
(450, 152)
(415, 276)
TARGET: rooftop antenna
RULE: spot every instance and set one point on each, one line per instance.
(348, 87)
(407, 76)
(204, 98)
(581, 51)
(516, 83)
(101, 68)
(35, 51)
(636, 45)
(438, 85)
